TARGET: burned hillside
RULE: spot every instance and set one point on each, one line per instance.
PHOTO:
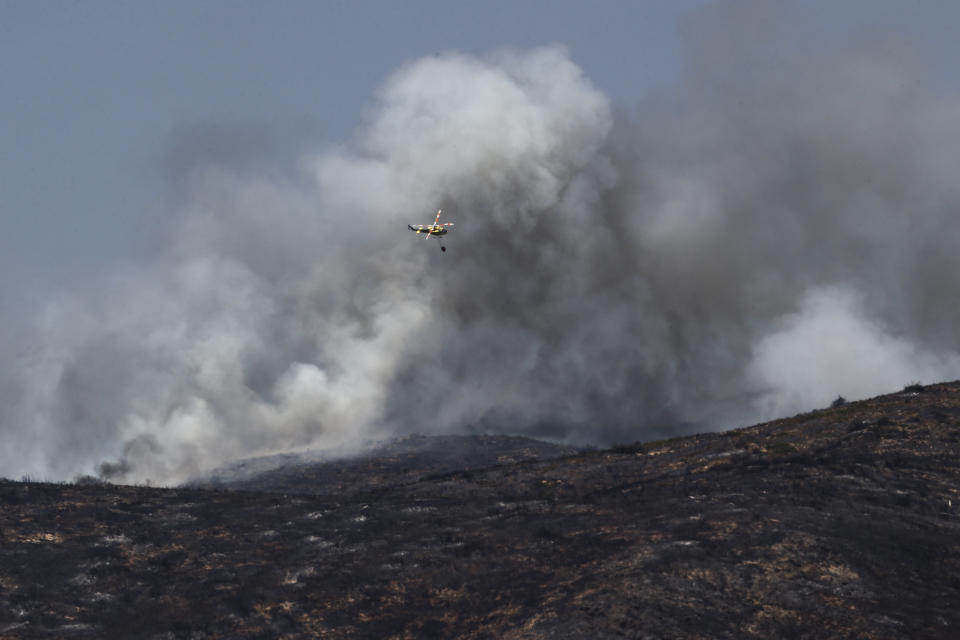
(842, 522)
(393, 462)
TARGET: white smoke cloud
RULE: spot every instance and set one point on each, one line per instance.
(829, 345)
(735, 249)
(284, 311)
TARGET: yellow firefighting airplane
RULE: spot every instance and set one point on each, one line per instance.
(434, 230)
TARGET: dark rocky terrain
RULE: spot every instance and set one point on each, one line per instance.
(840, 523)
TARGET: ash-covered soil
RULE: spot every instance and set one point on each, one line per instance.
(381, 464)
(841, 523)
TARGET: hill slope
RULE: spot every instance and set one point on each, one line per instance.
(394, 462)
(837, 523)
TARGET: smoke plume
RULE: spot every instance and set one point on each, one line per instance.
(745, 245)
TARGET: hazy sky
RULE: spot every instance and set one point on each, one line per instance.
(96, 96)
(671, 216)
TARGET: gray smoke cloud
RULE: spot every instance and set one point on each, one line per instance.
(745, 245)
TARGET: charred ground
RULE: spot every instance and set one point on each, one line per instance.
(841, 523)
